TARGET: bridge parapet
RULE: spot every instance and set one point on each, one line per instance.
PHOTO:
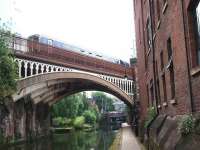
(28, 68)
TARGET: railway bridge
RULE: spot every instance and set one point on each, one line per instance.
(54, 72)
(48, 73)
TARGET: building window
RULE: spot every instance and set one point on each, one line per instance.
(148, 28)
(172, 81)
(197, 16)
(171, 67)
(161, 61)
(153, 16)
(194, 32)
(158, 88)
(152, 92)
(158, 9)
(164, 89)
(169, 48)
(148, 95)
(157, 84)
(139, 31)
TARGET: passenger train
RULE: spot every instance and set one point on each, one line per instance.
(62, 45)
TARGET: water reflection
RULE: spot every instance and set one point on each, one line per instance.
(75, 140)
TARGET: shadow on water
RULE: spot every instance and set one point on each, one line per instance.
(74, 140)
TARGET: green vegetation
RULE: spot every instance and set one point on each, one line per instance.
(103, 102)
(90, 117)
(78, 112)
(70, 106)
(75, 111)
(62, 121)
(79, 122)
(186, 124)
(8, 67)
(150, 116)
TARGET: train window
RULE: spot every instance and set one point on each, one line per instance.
(98, 55)
(50, 42)
(35, 38)
(43, 40)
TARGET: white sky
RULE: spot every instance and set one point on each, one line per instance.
(104, 26)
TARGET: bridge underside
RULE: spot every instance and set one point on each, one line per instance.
(27, 114)
(51, 87)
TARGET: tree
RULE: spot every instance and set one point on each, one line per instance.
(8, 66)
(79, 122)
(70, 106)
(75, 106)
(103, 102)
(90, 117)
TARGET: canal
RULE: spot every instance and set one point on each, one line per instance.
(74, 140)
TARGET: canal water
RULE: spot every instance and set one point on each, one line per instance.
(74, 140)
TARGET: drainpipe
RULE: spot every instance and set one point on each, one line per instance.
(153, 51)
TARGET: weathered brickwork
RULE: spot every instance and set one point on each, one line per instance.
(23, 121)
(172, 25)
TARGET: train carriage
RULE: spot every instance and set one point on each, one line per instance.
(43, 47)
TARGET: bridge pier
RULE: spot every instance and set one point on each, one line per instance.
(23, 120)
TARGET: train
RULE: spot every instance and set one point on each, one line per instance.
(62, 45)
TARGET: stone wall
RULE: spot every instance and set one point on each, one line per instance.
(163, 134)
(23, 120)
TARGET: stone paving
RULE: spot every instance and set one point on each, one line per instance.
(129, 141)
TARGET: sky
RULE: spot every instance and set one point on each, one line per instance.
(104, 26)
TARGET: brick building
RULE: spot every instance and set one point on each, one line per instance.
(168, 62)
(168, 51)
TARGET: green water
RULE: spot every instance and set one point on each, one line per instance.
(75, 140)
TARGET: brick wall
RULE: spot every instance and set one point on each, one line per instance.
(170, 20)
(192, 47)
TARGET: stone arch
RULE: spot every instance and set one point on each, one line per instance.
(41, 87)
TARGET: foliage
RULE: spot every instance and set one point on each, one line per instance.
(95, 110)
(73, 106)
(62, 121)
(8, 67)
(151, 114)
(87, 126)
(70, 106)
(79, 122)
(186, 124)
(103, 102)
(90, 117)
